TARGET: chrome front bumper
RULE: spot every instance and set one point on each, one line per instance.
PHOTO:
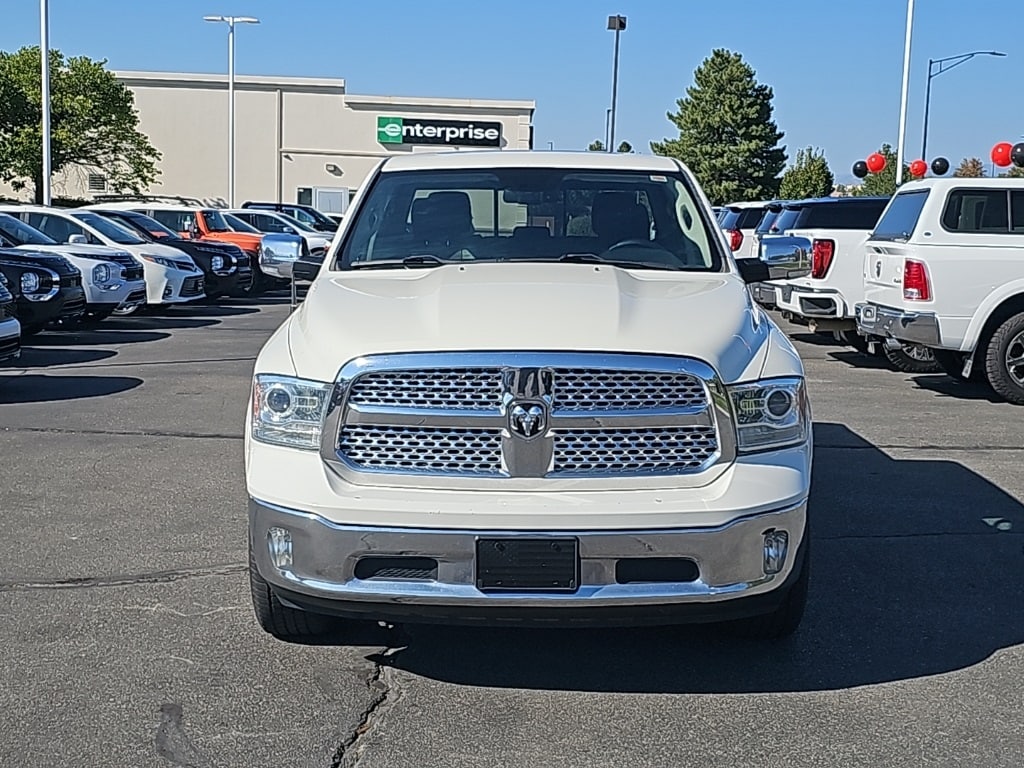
(888, 323)
(730, 560)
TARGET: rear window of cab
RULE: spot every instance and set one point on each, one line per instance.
(901, 216)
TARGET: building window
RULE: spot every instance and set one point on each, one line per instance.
(304, 196)
(97, 183)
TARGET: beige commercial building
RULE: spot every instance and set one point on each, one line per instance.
(296, 139)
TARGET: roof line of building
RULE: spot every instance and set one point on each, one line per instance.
(315, 83)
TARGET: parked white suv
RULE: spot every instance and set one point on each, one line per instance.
(281, 223)
(944, 268)
(111, 278)
(171, 275)
(529, 385)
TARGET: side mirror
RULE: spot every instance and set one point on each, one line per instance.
(78, 240)
(786, 257)
(278, 254)
(753, 270)
(306, 270)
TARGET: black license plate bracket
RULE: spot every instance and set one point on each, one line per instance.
(512, 564)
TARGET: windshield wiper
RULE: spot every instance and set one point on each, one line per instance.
(424, 260)
(593, 258)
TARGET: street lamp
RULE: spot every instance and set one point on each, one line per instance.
(231, 21)
(617, 24)
(44, 55)
(932, 72)
(904, 93)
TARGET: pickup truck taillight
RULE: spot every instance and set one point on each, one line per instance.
(915, 281)
(735, 239)
(822, 253)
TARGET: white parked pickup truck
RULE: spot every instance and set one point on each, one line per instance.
(529, 386)
(944, 268)
(832, 231)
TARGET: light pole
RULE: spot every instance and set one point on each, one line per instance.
(607, 126)
(231, 21)
(44, 54)
(932, 72)
(903, 97)
(616, 24)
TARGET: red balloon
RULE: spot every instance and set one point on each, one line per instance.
(1001, 154)
(876, 162)
(918, 168)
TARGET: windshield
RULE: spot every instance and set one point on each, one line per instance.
(631, 218)
(233, 223)
(215, 221)
(300, 225)
(20, 233)
(143, 224)
(108, 229)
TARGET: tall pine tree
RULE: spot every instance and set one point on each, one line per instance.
(809, 176)
(727, 136)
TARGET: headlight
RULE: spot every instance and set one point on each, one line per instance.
(30, 282)
(160, 260)
(105, 273)
(217, 263)
(770, 414)
(288, 411)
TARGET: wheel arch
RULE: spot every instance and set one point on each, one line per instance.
(981, 330)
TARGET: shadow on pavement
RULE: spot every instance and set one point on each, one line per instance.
(111, 333)
(47, 357)
(945, 386)
(167, 322)
(31, 388)
(908, 580)
(213, 309)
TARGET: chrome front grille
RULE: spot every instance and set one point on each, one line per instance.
(494, 415)
(632, 451)
(463, 389)
(424, 449)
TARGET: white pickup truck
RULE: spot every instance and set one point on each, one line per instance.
(832, 231)
(529, 386)
(944, 268)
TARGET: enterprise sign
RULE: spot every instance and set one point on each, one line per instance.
(450, 133)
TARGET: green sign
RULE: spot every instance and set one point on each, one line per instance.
(389, 130)
(452, 133)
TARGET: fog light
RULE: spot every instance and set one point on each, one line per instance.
(776, 545)
(168, 291)
(280, 542)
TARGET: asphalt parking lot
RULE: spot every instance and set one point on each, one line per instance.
(127, 637)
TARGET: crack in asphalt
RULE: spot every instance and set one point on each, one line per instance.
(125, 433)
(385, 694)
(154, 577)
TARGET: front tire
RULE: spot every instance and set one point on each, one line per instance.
(912, 358)
(1004, 360)
(279, 620)
(784, 620)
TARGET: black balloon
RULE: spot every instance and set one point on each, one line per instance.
(940, 165)
(1017, 155)
(860, 169)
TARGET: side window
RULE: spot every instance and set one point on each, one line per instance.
(1017, 211)
(58, 228)
(179, 221)
(977, 210)
(266, 223)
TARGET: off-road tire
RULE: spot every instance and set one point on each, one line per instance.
(279, 620)
(1008, 335)
(904, 361)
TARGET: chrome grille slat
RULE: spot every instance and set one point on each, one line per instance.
(588, 389)
(462, 388)
(423, 449)
(632, 451)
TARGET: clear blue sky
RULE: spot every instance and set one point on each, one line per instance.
(835, 65)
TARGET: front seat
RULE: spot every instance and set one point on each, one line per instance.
(617, 216)
(444, 219)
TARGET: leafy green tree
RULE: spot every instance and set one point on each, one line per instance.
(970, 168)
(883, 183)
(727, 136)
(809, 176)
(598, 146)
(93, 123)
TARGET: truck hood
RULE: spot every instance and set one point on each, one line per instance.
(532, 307)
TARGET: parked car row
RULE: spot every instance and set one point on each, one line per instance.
(68, 268)
(932, 278)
